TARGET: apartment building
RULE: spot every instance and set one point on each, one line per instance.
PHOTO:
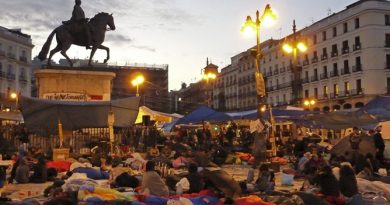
(15, 62)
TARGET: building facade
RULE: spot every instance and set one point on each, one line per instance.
(15, 62)
(346, 64)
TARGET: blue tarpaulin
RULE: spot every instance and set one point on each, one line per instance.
(279, 114)
(378, 107)
(204, 114)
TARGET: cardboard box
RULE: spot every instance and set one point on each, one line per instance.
(60, 154)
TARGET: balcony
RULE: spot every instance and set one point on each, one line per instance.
(357, 46)
(345, 71)
(11, 55)
(284, 85)
(357, 68)
(270, 88)
(2, 74)
(355, 92)
(387, 44)
(324, 56)
(283, 69)
(323, 76)
(269, 73)
(323, 97)
(334, 53)
(345, 50)
(23, 59)
(314, 59)
(276, 72)
(22, 79)
(306, 62)
(334, 95)
(305, 80)
(10, 76)
(314, 78)
(2, 53)
(334, 73)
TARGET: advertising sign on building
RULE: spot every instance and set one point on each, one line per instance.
(72, 97)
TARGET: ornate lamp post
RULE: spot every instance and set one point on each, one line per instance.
(15, 97)
(209, 76)
(267, 18)
(308, 103)
(293, 46)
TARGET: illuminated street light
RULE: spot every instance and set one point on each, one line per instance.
(267, 18)
(137, 81)
(309, 103)
(293, 46)
(15, 97)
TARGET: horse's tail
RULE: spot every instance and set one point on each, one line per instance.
(46, 47)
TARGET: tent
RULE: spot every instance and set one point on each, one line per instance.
(156, 116)
(279, 114)
(335, 120)
(12, 116)
(366, 146)
(379, 107)
(42, 115)
(204, 113)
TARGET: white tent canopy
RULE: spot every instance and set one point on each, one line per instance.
(159, 117)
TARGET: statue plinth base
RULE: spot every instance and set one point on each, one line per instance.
(78, 84)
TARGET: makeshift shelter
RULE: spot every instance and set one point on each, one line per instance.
(156, 116)
(366, 146)
(11, 116)
(378, 107)
(335, 120)
(42, 116)
(204, 114)
(279, 114)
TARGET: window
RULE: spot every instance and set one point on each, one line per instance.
(325, 70)
(347, 88)
(388, 85)
(326, 91)
(359, 85)
(336, 89)
(306, 93)
(307, 75)
(334, 50)
(387, 40)
(357, 23)
(316, 93)
(334, 31)
(324, 36)
(315, 73)
(284, 98)
(345, 46)
(1, 67)
(315, 54)
(345, 26)
(315, 39)
(346, 67)
(335, 69)
(358, 63)
(324, 52)
(387, 61)
(387, 20)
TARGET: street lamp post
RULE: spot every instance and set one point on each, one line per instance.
(15, 96)
(137, 81)
(208, 77)
(267, 18)
(308, 103)
(293, 47)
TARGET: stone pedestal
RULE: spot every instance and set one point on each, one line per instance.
(74, 85)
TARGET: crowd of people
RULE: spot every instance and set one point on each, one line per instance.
(326, 176)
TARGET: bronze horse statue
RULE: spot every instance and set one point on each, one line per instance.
(66, 35)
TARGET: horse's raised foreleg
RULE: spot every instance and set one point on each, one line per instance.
(52, 52)
(107, 50)
(91, 56)
(63, 52)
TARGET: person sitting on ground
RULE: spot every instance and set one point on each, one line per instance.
(40, 171)
(152, 183)
(22, 172)
(347, 182)
(265, 179)
(302, 162)
(329, 187)
(195, 179)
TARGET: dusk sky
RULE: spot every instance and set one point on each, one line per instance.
(181, 33)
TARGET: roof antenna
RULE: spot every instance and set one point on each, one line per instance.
(207, 62)
(329, 11)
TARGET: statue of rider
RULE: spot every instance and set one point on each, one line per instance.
(78, 17)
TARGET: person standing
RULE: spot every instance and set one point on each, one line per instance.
(379, 144)
(355, 139)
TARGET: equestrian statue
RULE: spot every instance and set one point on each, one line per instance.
(79, 31)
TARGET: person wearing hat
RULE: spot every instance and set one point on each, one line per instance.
(379, 144)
